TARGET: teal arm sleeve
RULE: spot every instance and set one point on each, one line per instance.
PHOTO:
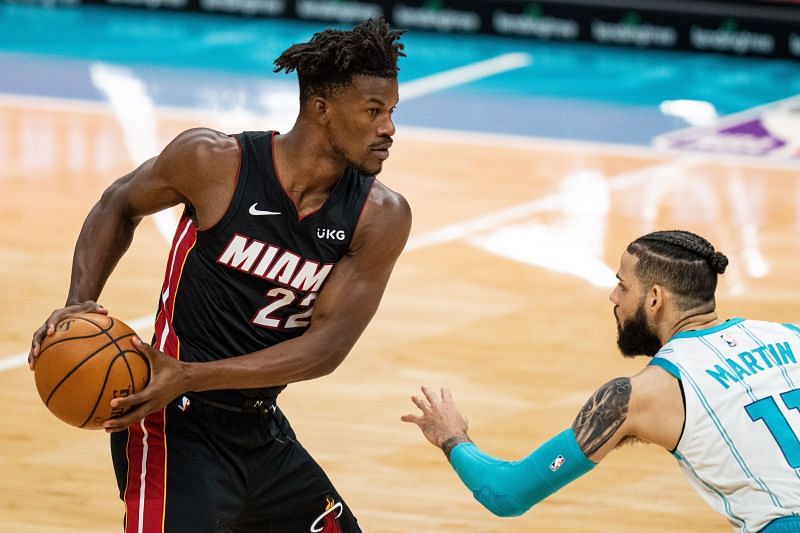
(511, 488)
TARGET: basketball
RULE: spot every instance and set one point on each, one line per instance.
(84, 364)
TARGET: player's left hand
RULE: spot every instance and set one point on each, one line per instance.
(440, 420)
(168, 378)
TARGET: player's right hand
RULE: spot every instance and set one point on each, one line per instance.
(49, 326)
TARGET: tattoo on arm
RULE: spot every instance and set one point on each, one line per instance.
(602, 415)
(452, 442)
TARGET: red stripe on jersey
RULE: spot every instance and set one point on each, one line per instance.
(145, 493)
(185, 238)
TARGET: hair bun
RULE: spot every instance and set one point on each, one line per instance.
(718, 262)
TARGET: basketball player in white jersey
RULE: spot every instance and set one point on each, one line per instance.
(723, 396)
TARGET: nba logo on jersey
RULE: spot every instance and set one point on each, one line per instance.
(730, 341)
(557, 462)
(184, 405)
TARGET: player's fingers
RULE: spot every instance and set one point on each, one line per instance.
(97, 308)
(34, 352)
(422, 404)
(122, 422)
(145, 349)
(411, 418)
(38, 335)
(430, 395)
(447, 395)
(128, 402)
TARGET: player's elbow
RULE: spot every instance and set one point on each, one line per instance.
(500, 505)
(328, 350)
(331, 361)
(113, 204)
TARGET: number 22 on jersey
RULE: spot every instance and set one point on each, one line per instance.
(281, 298)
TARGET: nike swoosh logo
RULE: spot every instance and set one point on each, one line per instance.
(254, 211)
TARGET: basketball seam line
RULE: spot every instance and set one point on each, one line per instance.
(102, 388)
(76, 367)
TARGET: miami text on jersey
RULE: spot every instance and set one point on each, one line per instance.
(275, 264)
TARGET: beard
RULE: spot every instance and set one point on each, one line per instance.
(362, 167)
(636, 337)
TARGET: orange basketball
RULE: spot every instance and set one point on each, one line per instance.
(87, 362)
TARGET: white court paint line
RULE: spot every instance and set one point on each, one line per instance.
(465, 229)
(756, 263)
(14, 361)
(540, 205)
(461, 75)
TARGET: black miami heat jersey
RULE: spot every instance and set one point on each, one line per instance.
(251, 280)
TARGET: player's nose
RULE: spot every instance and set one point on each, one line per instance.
(613, 296)
(387, 128)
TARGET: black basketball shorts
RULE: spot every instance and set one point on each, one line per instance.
(197, 468)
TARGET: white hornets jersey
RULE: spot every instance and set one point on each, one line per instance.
(740, 447)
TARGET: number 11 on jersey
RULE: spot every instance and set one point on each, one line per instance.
(767, 410)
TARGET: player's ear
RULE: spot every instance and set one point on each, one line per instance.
(655, 299)
(319, 108)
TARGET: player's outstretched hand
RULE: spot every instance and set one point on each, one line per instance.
(168, 380)
(49, 326)
(440, 420)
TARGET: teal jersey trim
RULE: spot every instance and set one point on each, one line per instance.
(793, 328)
(669, 366)
(509, 488)
(786, 524)
(707, 331)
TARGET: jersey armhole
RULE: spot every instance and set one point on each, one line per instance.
(672, 370)
(683, 427)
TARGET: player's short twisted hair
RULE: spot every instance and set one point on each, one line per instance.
(684, 263)
(332, 57)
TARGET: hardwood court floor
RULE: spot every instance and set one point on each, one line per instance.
(521, 346)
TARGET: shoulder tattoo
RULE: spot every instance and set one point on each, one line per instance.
(602, 415)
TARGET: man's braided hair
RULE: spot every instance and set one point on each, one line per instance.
(332, 57)
(684, 263)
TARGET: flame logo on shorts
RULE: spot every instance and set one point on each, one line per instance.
(327, 522)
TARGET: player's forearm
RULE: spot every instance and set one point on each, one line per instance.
(509, 488)
(104, 238)
(291, 361)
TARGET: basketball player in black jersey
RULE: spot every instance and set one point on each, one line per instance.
(277, 266)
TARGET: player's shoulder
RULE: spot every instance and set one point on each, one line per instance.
(385, 219)
(200, 155)
(203, 144)
(388, 202)
(652, 384)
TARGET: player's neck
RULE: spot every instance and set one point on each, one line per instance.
(300, 164)
(693, 321)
